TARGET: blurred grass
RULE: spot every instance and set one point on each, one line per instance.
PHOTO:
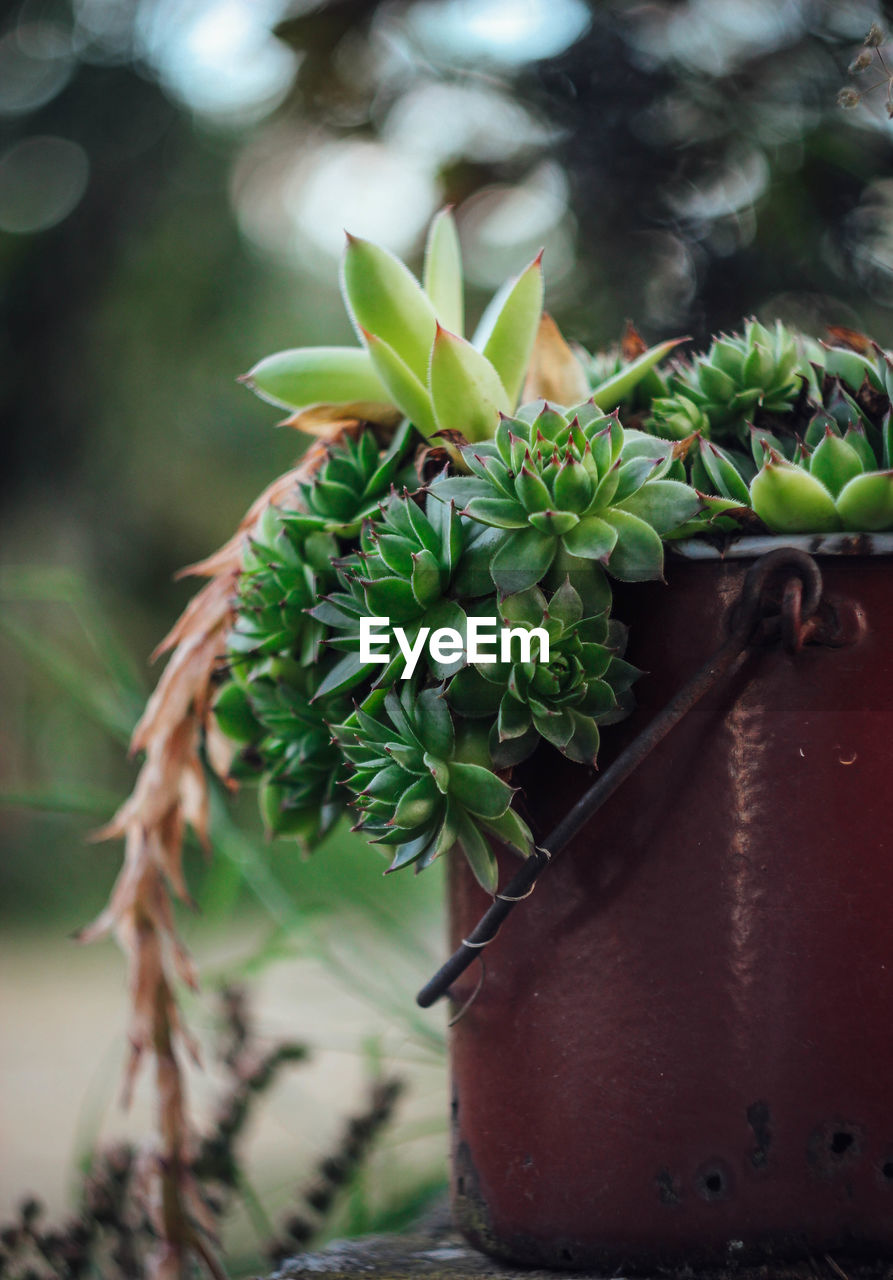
(59, 633)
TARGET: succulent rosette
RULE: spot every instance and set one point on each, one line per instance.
(558, 486)
(561, 698)
(761, 369)
(420, 786)
(402, 572)
(281, 578)
(354, 478)
(286, 743)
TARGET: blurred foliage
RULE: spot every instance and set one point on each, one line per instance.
(174, 178)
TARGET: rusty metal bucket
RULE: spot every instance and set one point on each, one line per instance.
(681, 1048)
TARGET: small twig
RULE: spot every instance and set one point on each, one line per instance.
(838, 1270)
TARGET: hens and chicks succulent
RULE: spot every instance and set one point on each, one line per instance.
(523, 516)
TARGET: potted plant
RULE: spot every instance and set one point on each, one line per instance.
(677, 1053)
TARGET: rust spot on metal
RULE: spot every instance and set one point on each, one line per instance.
(669, 1189)
(841, 623)
(835, 1147)
(760, 1120)
(714, 1181)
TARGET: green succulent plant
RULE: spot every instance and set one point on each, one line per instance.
(562, 699)
(827, 489)
(677, 417)
(286, 742)
(825, 466)
(347, 488)
(420, 784)
(558, 486)
(415, 361)
(535, 509)
(282, 575)
(761, 369)
(402, 571)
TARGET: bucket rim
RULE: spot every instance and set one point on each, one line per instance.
(817, 544)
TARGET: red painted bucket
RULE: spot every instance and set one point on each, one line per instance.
(681, 1049)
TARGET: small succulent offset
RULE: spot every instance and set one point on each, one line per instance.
(562, 699)
(402, 571)
(450, 504)
(740, 374)
(420, 786)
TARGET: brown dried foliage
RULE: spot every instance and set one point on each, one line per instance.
(171, 793)
(116, 1230)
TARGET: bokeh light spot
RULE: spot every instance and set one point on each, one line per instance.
(506, 31)
(34, 67)
(220, 57)
(41, 181)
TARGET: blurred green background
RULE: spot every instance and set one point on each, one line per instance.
(175, 177)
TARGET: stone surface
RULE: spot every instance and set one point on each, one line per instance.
(434, 1252)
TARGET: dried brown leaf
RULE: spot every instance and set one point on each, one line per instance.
(632, 344)
(554, 373)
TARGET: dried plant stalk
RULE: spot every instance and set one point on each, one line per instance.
(171, 792)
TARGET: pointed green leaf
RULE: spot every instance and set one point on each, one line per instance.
(532, 492)
(478, 852)
(857, 439)
(555, 726)
(790, 500)
(627, 479)
(556, 523)
(465, 389)
(410, 851)
(638, 554)
(435, 724)
(514, 718)
(566, 605)
(851, 367)
(834, 462)
(404, 389)
(573, 486)
(425, 578)
(513, 831)
(479, 790)
(233, 713)
(592, 539)
(526, 607)
(866, 503)
(664, 504)
(502, 513)
(610, 393)
(307, 376)
(522, 559)
(346, 673)
(460, 489)
(583, 743)
(385, 299)
(418, 804)
(511, 330)
(442, 277)
(726, 481)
